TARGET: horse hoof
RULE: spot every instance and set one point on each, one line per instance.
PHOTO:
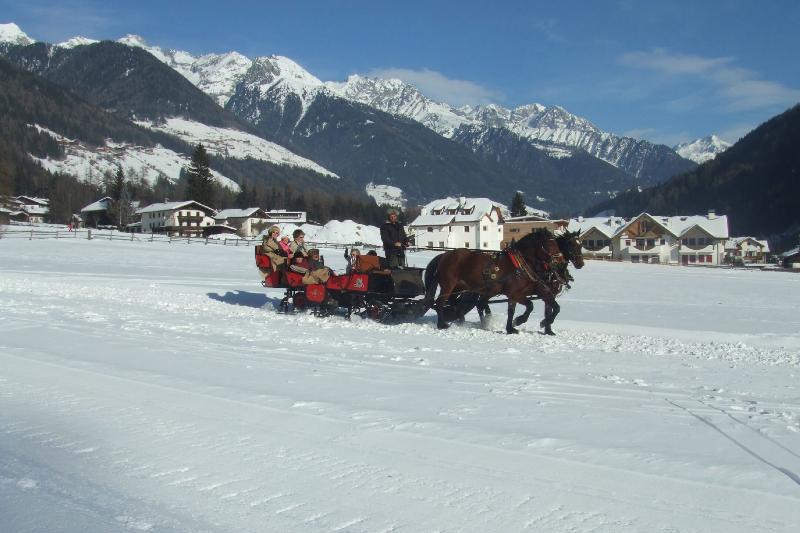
(512, 331)
(542, 324)
(443, 326)
(549, 331)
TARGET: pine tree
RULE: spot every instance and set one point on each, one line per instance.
(121, 209)
(518, 208)
(199, 183)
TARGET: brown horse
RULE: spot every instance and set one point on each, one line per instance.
(517, 273)
(557, 279)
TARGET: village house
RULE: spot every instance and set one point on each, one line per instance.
(514, 228)
(475, 223)
(176, 218)
(746, 250)
(790, 258)
(245, 222)
(28, 209)
(283, 216)
(96, 214)
(646, 238)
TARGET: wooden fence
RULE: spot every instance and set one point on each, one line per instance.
(31, 233)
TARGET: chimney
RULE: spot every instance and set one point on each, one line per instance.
(580, 218)
(712, 214)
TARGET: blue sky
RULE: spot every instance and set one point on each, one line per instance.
(666, 71)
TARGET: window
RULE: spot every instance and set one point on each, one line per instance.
(640, 243)
(651, 243)
(693, 259)
(514, 230)
(685, 241)
(634, 259)
(692, 241)
(590, 243)
(627, 242)
(466, 245)
(486, 245)
(607, 242)
(430, 229)
(466, 229)
(486, 228)
(663, 242)
(644, 226)
(441, 244)
(701, 258)
(708, 259)
(430, 244)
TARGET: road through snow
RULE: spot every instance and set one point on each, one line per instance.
(153, 387)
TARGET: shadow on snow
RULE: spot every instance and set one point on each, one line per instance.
(246, 299)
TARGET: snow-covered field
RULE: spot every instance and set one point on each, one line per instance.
(153, 387)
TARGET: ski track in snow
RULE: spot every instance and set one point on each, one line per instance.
(146, 388)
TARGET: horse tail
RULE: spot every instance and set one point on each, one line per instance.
(432, 280)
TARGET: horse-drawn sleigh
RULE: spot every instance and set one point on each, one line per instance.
(535, 267)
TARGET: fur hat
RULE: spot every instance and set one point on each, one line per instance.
(273, 229)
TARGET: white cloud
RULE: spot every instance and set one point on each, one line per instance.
(440, 88)
(733, 88)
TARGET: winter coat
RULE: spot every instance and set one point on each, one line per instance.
(392, 232)
(272, 249)
(286, 247)
(297, 247)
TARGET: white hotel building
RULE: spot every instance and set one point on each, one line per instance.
(475, 223)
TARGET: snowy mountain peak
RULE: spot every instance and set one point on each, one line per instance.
(11, 33)
(268, 72)
(702, 150)
(76, 41)
(397, 97)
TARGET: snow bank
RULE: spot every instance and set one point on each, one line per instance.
(337, 232)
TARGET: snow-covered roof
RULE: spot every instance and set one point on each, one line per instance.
(714, 225)
(735, 242)
(789, 253)
(31, 200)
(172, 206)
(250, 212)
(427, 219)
(608, 226)
(526, 218)
(100, 205)
(467, 209)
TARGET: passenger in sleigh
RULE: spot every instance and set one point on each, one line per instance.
(298, 244)
(270, 246)
(352, 259)
(311, 267)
